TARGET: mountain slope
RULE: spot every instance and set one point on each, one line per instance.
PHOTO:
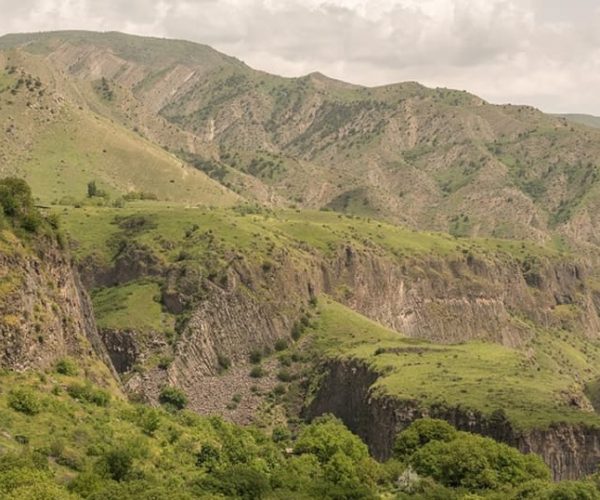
(59, 146)
(582, 119)
(432, 158)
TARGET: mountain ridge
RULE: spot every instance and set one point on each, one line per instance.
(434, 159)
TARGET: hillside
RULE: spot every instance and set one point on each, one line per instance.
(59, 146)
(200, 234)
(431, 158)
(589, 120)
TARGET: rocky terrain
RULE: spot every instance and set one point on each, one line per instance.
(261, 248)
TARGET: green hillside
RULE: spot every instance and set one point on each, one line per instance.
(432, 158)
(205, 239)
(58, 147)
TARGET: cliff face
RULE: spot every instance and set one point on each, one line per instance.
(463, 298)
(570, 450)
(249, 309)
(251, 306)
(45, 313)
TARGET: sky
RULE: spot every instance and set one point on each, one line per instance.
(540, 52)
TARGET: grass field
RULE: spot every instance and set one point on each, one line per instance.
(59, 147)
(533, 389)
(245, 229)
(134, 306)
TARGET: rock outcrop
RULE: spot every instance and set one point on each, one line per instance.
(45, 313)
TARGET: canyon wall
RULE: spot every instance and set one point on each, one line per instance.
(570, 450)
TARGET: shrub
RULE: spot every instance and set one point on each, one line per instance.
(149, 420)
(327, 436)
(86, 393)
(281, 345)
(285, 375)
(224, 362)
(279, 390)
(118, 462)
(257, 372)
(208, 457)
(476, 463)
(255, 356)
(66, 366)
(574, 490)
(281, 434)
(285, 360)
(24, 401)
(17, 203)
(296, 331)
(238, 481)
(173, 397)
(165, 361)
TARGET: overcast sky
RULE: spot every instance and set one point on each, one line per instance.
(540, 52)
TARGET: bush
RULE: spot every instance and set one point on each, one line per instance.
(296, 331)
(165, 361)
(281, 434)
(281, 345)
(285, 375)
(17, 204)
(257, 372)
(476, 463)
(255, 356)
(173, 397)
(149, 420)
(327, 436)
(209, 457)
(24, 401)
(238, 481)
(574, 490)
(66, 366)
(279, 390)
(86, 393)
(224, 362)
(118, 462)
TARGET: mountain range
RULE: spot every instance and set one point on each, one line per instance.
(271, 249)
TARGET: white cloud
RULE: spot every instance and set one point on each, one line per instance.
(540, 52)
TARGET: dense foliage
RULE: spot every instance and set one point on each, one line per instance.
(17, 204)
(64, 438)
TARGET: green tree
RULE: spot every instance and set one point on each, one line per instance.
(92, 189)
(421, 432)
(17, 204)
(327, 436)
(475, 462)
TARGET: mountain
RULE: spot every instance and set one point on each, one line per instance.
(273, 249)
(430, 158)
(589, 120)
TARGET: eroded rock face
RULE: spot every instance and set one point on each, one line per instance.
(45, 313)
(460, 299)
(570, 450)
(445, 300)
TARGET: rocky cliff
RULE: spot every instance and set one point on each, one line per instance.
(346, 390)
(45, 313)
(464, 297)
